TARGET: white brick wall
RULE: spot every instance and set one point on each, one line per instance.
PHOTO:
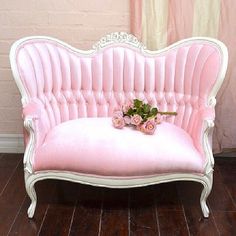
(78, 22)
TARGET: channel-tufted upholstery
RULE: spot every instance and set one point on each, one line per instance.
(67, 85)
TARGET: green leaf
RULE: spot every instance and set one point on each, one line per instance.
(145, 117)
(137, 103)
(154, 111)
(146, 108)
(140, 111)
(130, 112)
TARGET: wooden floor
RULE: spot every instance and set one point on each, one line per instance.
(66, 208)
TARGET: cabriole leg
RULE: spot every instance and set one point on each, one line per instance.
(207, 186)
(29, 185)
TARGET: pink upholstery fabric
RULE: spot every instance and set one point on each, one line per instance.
(36, 111)
(69, 85)
(93, 146)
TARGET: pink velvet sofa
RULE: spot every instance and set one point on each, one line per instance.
(68, 97)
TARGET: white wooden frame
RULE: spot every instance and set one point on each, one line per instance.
(32, 177)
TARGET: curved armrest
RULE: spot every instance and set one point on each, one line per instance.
(35, 122)
(35, 111)
(202, 135)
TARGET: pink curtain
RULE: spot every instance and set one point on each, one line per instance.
(158, 23)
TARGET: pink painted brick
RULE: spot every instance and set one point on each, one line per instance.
(94, 34)
(10, 114)
(56, 5)
(10, 100)
(13, 33)
(88, 20)
(62, 33)
(4, 61)
(82, 5)
(5, 74)
(5, 46)
(23, 18)
(17, 5)
(121, 6)
(10, 127)
(8, 86)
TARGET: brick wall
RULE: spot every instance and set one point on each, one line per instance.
(78, 22)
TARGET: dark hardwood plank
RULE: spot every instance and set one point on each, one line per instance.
(170, 213)
(197, 224)
(219, 199)
(11, 200)
(11, 194)
(225, 222)
(60, 213)
(57, 221)
(227, 174)
(143, 218)
(66, 193)
(8, 164)
(227, 167)
(172, 223)
(231, 188)
(189, 193)
(23, 225)
(88, 211)
(114, 219)
(167, 198)
(10, 160)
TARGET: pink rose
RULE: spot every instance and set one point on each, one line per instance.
(158, 118)
(149, 127)
(127, 120)
(136, 119)
(139, 127)
(117, 108)
(127, 106)
(118, 113)
(118, 122)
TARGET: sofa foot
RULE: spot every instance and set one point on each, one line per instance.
(33, 197)
(205, 209)
(31, 209)
(207, 185)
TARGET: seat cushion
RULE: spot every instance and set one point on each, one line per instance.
(92, 146)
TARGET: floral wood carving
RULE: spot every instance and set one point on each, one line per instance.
(118, 37)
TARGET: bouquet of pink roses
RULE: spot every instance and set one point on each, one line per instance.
(140, 115)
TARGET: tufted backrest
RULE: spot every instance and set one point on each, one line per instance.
(71, 83)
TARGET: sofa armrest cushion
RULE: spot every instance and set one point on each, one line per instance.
(35, 111)
(199, 128)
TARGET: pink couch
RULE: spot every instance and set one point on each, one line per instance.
(68, 96)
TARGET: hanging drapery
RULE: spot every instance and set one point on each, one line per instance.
(159, 23)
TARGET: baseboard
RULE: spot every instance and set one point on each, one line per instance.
(11, 143)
